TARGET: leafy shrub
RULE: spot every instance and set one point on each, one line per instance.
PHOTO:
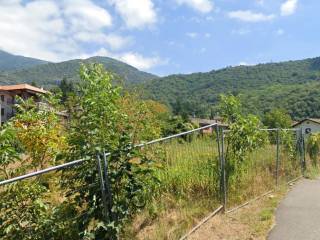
(39, 131)
(99, 123)
(8, 151)
(313, 148)
(27, 215)
(244, 137)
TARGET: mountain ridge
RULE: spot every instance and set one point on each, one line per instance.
(9, 62)
(293, 85)
(49, 74)
(198, 93)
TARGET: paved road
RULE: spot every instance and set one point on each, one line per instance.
(298, 215)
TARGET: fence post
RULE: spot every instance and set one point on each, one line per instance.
(102, 187)
(278, 157)
(107, 186)
(217, 128)
(303, 150)
(223, 174)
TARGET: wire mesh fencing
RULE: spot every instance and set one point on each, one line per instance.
(291, 155)
(279, 160)
(188, 164)
(195, 165)
(53, 202)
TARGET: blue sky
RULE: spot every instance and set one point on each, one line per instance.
(163, 36)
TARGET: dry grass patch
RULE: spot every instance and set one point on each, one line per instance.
(253, 221)
(169, 218)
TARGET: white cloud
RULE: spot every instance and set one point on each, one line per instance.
(280, 32)
(141, 62)
(289, 7)
(192, 34)
(46, 29)
(241, 31)
(249, 16)
(61, 30)
(85, 15)
(114, 41)
(137, 13)
(245, 64)
(260, 2)
(135, 59)
(203, 6)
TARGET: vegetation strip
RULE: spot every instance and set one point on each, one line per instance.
(80, 161)
(33, 174)
(294, 180)
(177, 135)
(202, 222)
(259, 197)
(250, 201)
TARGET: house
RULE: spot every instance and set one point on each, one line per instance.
(8, 94)
(308, 125)
(207, 122)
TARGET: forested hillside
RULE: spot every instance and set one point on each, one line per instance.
(10, 62)
(51, 74)
(293, 85)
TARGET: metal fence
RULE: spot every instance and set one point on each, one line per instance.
(279, 160)
(193, 164)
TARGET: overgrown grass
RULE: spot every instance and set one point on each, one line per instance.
(190, 185)
(169, 217)
(190, 168)
(189, 173)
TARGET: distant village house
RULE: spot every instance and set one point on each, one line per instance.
(207, 122)
(308, 125)
(8, 96)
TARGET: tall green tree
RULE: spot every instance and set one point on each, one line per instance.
(243, 137)
(277, 118)
(99, 124)
(67, 88)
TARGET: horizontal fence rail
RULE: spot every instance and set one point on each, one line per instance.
(80, 161)
(202, 157)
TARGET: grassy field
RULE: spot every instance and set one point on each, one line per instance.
(189, 176)
(189, 173)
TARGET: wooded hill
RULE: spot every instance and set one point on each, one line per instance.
(293, 85)
(10, 62)
(50, 74)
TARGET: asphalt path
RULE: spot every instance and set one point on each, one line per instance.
(298, 215)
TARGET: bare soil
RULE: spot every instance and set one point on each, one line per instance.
(253, 221)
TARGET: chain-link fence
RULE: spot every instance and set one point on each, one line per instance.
(194, 164)
(280, 159)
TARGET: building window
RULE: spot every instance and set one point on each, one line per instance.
(2, 111)
(2, 98)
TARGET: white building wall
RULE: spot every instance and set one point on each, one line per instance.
(309, 125)
(6, 103)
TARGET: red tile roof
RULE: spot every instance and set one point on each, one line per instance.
(22, 87)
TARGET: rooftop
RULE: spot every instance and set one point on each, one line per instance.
(316, 120)
(22, 87)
